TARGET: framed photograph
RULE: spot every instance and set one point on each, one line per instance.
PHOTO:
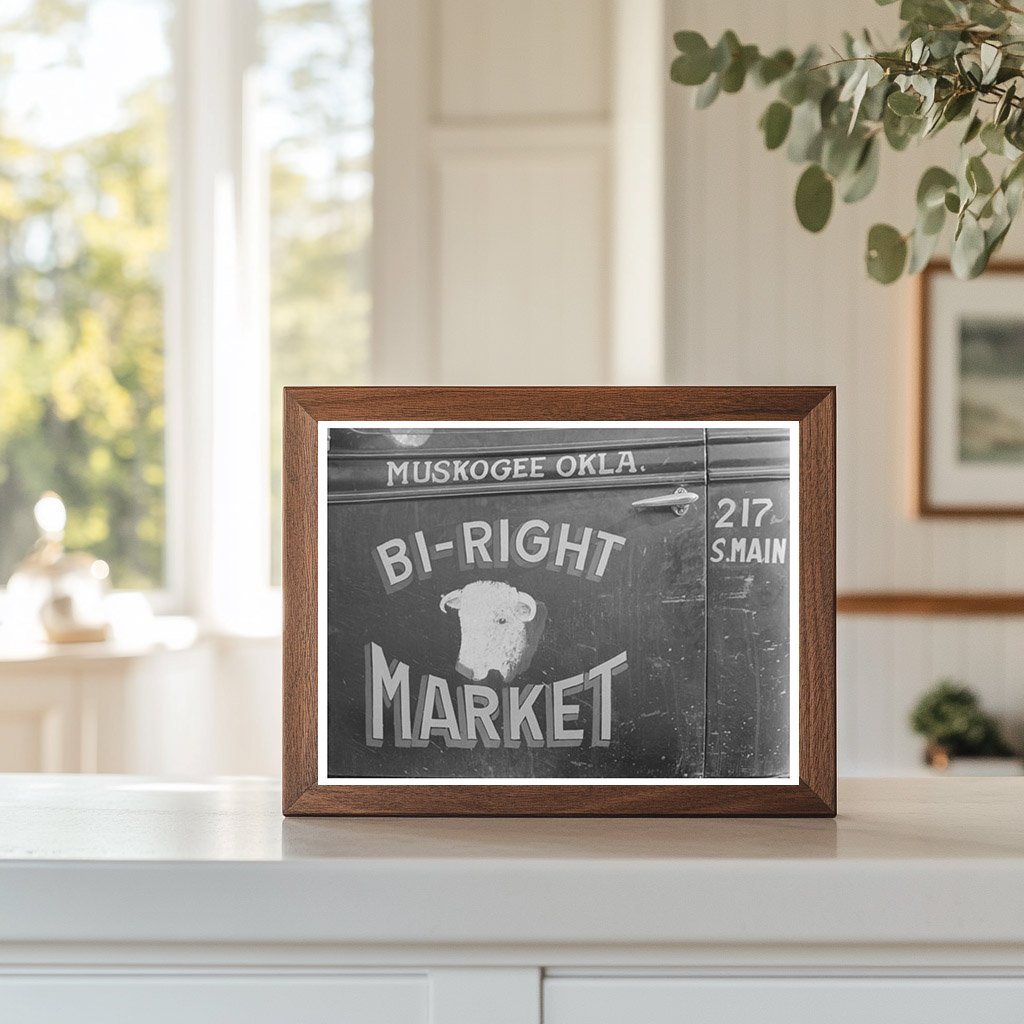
(559, 601)
(970, 450)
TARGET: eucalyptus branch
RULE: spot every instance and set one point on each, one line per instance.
(955, 61)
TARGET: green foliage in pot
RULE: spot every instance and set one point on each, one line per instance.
(949, 716)
(957, 62)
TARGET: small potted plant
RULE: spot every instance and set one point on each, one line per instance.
(950, 718)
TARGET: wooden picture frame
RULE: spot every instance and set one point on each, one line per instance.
(948, 484)
(333, 414)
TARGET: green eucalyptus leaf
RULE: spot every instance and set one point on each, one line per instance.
(930, 12)
(1014, 193)
(994, 237)
(735, 74)
(840, 152)
(886, 253)
(993, 138)
(817, 83)
(934, 122)
(925, 87)
(686, 72)
(725, 51)
(1005, 105)
(970, 74)
(775, 124)
(931, 191)
(829, 105)
(855, 89)
(805, 139)
(968, 248)
(1013, 172)
(958, 105)
(944, 44)
(922, 248)
(991, 60)
(895, 135)
(865, 174)
(1013, 187)
(952, 202)
(693, 65)
(904, 103)
(771, 69)
(873, 107)
(973, 130)
(932, 220)
(978, 176)
(794, 88)
(708, 92)
(900, 130)
(689, 42)
(814, 196)
(987, 15)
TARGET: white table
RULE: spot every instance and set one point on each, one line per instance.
(125, 898)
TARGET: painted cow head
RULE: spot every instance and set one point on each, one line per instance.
(500, 628)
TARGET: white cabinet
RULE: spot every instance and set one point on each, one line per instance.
(824, 1000)
(204, 999)
(126, 899)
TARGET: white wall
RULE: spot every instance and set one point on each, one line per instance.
(754, 299)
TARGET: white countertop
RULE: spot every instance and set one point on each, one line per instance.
(120, 859)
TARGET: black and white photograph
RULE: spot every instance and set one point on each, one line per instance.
(557, 602)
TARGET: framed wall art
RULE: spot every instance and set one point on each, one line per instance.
(559, 601)
(970, 445)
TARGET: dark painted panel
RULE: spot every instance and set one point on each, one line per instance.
(748, 608)
(647, 602)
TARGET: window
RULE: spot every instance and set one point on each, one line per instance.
(317, 87)
(175, 246)
(83, 234)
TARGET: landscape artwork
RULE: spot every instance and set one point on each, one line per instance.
(992, 389)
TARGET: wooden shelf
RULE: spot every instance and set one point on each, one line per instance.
(928, 603)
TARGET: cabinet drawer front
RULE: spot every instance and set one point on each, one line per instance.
(202, 999)
(783, 1001)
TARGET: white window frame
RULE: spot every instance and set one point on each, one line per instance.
(218, 514)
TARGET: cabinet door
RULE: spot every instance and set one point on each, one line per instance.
(202, 999)
(783, 1001)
